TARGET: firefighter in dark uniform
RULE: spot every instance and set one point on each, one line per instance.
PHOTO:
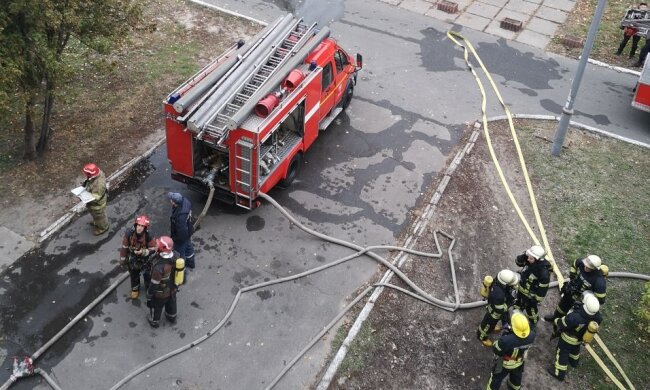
(500, 298)
(162, 289)
(511, 350)
(137, 244)
(585, 274)
(572, 329)
(533, 284)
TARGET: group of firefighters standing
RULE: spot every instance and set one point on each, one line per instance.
(513, 299)
(160, 262)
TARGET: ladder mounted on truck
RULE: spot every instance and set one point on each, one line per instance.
(249, 83)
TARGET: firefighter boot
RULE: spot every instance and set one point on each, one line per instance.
(135, 293)
(152, 322)
(549, 317)
(559, 377)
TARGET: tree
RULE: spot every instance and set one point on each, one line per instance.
(34, 35)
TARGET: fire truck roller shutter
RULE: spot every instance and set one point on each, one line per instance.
(292, 170)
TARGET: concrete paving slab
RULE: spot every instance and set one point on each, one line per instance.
(522, 6)
(552, 14)
(542, 26)
(564, 5)
(506, 13)
(482, 9)
(12, 246)
(474, 22)
(495, 29)
(533, 38)
(440, 15)
(419, 6)
(498, 3)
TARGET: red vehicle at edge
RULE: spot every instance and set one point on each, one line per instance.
(240, 125)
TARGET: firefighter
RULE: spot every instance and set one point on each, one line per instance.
(533, 284)
(631, 32)
(500, 298)
(511, 350)
(95, 183)
(572, 330)
(585, 274)
(162, 288)
(182, 227)
(137, 244)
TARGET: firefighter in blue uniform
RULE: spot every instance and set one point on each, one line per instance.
(500, 298)
(585, 275)
(572, 329)
(533, 284)
(162, 288)
(511, 350)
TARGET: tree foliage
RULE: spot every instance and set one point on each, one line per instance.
(35, 34)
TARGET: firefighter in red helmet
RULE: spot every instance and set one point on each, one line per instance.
(137, 244)
(162, 288)
(95, 183)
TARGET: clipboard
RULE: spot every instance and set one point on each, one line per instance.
(83, 195)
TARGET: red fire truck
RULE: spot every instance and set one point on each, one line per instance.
(642, 91)
(241, 125)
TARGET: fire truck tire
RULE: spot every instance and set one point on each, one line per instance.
(292, 171)
(349, 92)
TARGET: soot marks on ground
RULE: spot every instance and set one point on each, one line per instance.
(104, 333)
(246, 276)
(255, 223)
(194, 304)
(554, 107)
(438, 52)
(132, 324)
(108, 319)
(522, 67)
(264, 294)
(528, 91)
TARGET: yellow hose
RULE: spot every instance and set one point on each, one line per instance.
(453, 35)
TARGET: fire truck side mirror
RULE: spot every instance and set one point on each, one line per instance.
(359, 61)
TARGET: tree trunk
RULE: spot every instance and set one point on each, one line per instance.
(44, 139)
(30, 146)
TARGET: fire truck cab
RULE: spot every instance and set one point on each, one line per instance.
(241, 125)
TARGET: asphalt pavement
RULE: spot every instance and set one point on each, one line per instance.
(359, 182)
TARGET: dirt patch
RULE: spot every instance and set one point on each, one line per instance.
(417, 346)
(111, 110)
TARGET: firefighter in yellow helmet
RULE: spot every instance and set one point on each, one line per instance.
(95, 183)
(511, 350)
(572, 329)
(500, 298)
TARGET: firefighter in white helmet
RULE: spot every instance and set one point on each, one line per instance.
(512, 348)
(533, 284)
(500, 298)
(572, 329)
(585, 274)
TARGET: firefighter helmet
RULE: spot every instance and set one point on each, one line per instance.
(520, 325)
(91, 170)
(142, 220)
(590, 303)
(165, 245)
(536, 252)
(508, 278)
(592, 261)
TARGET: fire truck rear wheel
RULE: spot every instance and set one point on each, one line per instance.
(292, 171)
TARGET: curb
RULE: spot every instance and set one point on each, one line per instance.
(612, 67)
(422, 222)
(80, 207)
(227, 11)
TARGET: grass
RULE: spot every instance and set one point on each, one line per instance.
(609, 33)
(361, 348)
(597, 195)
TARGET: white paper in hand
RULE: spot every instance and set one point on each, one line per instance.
(83, 195)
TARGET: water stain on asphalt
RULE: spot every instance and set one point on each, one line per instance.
(255, 223)
(438, 52)
(264, 294)
(554, 107)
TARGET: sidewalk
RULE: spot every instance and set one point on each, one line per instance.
(540, 18)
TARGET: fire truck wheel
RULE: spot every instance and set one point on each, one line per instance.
(349, 92)
(292, 171)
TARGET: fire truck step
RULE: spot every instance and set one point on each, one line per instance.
(324, 124)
